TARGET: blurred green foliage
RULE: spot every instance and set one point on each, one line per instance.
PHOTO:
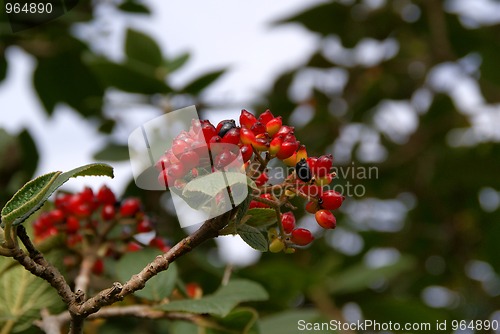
(444, 230)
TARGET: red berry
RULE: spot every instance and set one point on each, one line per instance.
(72, 225)
(312, 207)
(247, 136)
(301, 237)
(224, 159)
(311, 190)
(108, 212)
(247, 119)
(176, 171)
(179, 147)
(133, 247)
(323, 165)
(87, 195)
(275, 145)
(285, 130)
(311, 161)
(273, 126)
(106, 196)
(288, 222)
(189, 160)
(144, 226)
(326, 219)
(73, 239)
(232, 137)
(258, 128)
(262, 179)
(214, 146)
(159, 243)
(194, 291)
(246, 152)
(209, 131)
(331, 200)
(287, 149)
(98, 267)
(130, 207)
(265, 117)
(56, 216)
(261, 144)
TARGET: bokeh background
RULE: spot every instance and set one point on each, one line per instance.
(410, 88)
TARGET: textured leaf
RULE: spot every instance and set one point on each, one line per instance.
(261, 217)
(143, 48)
(113, 152)
(158, 287)
(22, 296)
(33, 195)
(253, 237)
(222, 301)
(196, 86)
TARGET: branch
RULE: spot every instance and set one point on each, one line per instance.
(210, 229)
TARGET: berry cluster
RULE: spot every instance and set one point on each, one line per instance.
(91, 217)
(257, 140)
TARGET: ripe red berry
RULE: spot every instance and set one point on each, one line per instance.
(301, 237)
(160, 244)
(224, 159)
(323, 165)
(275, 145)
(209, 131)
(302, 171)
(73, 239)
(98, 267)
(108, 212)
(232, 137)
(261, 144)
(258, 128)
(331, 200)
(247, 119)
(287, 149)
(189, 160)
(247, 136)
(133, 247)
(284, 130)
(273, 126)
(176, 171)
(179, 147)
(262, 179)
(326, 219)
(311, 190)
(288, 222)
(144, 226)
(130, 207)
(265, 117)
(72, 225)
(246, 152)
(56, 216)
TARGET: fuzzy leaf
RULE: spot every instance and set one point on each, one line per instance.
(33, 195)
(260, 217)
(220, 303)
(253, 237)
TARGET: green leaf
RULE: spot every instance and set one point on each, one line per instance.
(359, 277)
(113, 152)
(176, 63)
(242, 210)
(222, 301)
(158, 287)
(260, 217)
(128, 77)
(23, 296)
(33, 194)
(3, 67)
(286, 322)
(196, 86)
(201, 190)
(241, 320)
(253, 237)
(64, 78)
(28, 197)
(143, 48)
(134, 7)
